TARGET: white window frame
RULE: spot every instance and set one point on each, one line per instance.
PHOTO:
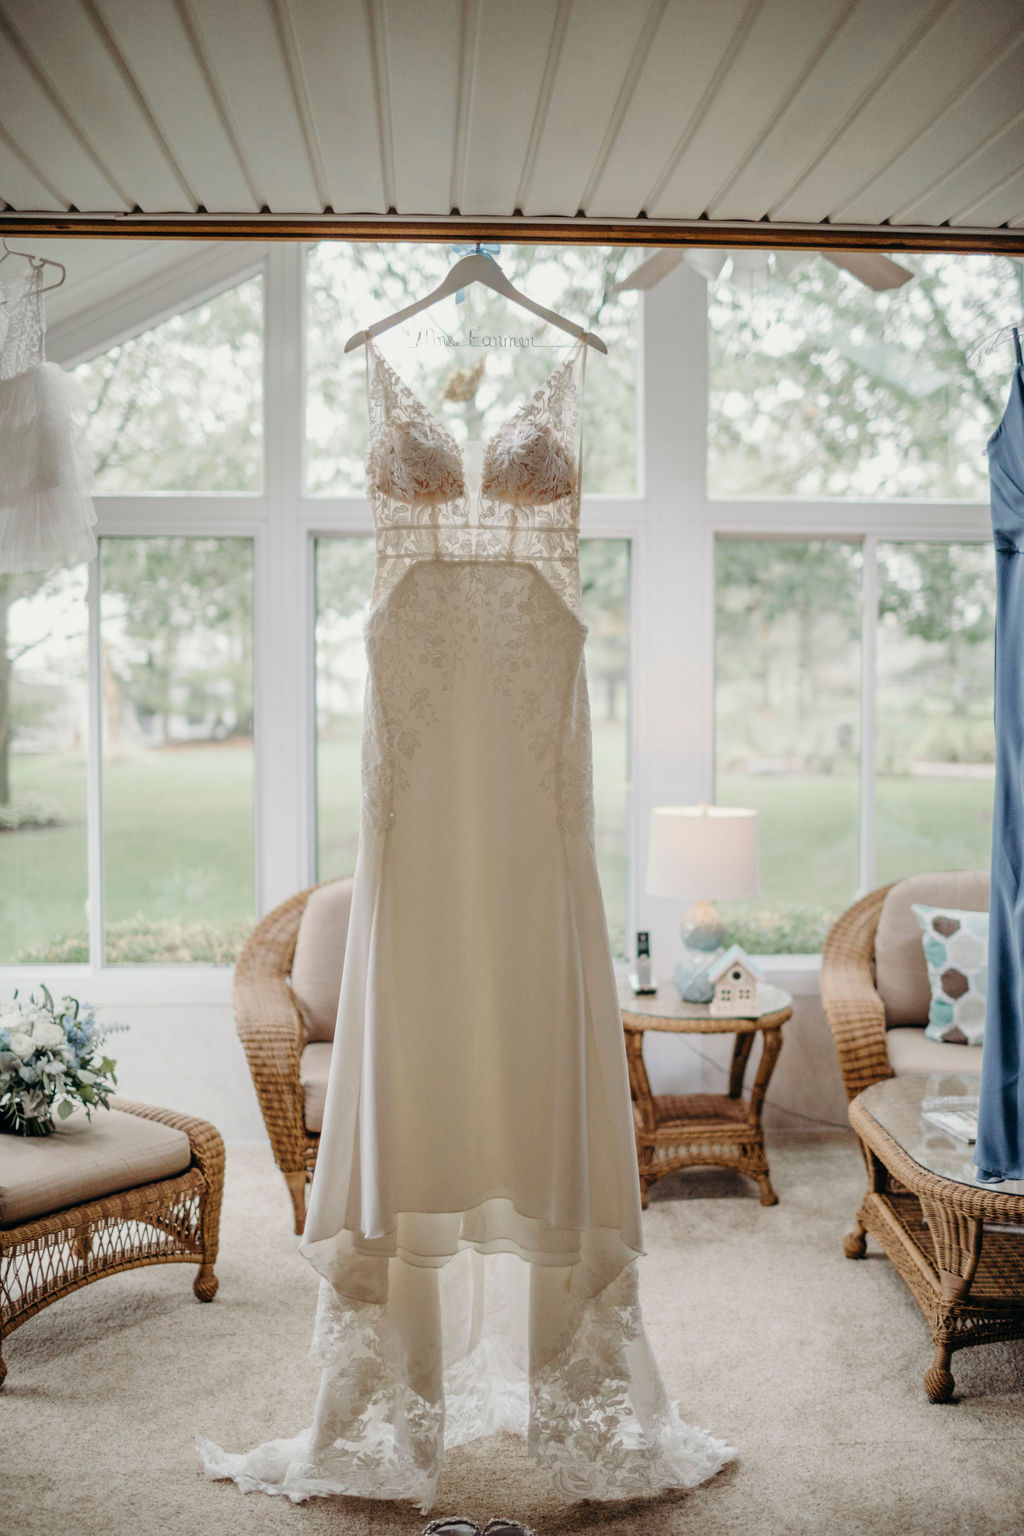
(854, 520)
(672, 524)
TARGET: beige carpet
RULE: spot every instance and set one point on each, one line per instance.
(809, 1363)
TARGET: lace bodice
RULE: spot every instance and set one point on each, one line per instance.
(527, 508)
(21, 324)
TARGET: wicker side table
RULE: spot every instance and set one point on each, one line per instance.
(173, 1220)
(692, 1130)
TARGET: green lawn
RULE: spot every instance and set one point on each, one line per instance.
(179, 841)
(808, 829)
(179, 849)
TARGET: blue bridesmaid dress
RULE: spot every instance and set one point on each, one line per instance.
(999, 1153)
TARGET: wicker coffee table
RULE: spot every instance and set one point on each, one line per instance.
(690, 1130)
(958, 1245)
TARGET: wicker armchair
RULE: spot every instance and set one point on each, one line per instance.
(877, 1009)
(275, 1027)
(855, 1012)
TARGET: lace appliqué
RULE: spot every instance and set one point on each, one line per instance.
(528, 508)
(21, 326)
(600, 1420)
(422, 638)
(595, 1416)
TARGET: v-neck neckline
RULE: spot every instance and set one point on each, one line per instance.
(569, 358)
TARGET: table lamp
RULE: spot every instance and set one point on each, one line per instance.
(701, 852)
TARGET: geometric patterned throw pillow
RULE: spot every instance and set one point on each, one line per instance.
(956, 953)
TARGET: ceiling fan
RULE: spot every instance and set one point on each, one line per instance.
(750, 266)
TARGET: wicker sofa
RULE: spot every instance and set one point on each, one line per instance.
(287, 983)
(874, 981)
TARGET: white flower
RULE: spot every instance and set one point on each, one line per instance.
(23, 1045)
(48, 1034)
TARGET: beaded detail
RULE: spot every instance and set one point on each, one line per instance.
(527, 511)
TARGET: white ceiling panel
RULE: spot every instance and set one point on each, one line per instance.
(676, 79)
(777, 47)
(500, 109)
(819, 106)
(977, 176)
(595, 58)
(39, 126)
(334, 54)
(73, 57)
(241, 48)
(992, 100)
(154, 46)
(821, 117)
(1002, 202)
(21, 185)
(421, 48)
(957, 44)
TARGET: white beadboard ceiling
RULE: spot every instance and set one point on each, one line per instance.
(873, 118)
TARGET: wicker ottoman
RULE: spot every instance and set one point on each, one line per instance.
(136, 1186)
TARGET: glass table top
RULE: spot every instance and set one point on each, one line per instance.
(898, 1105)
(667, 1004)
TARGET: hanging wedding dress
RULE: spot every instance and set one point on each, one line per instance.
(46, 512)
(475, 1213)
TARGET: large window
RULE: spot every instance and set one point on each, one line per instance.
(344, 577)
(853, 695)
(790, 704)
(785, 557)
(178, 408)
(177, 686)
(44, 721)
(788, 727)
(820, 386)
(935, 757)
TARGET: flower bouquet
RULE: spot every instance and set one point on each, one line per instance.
(50, 1061)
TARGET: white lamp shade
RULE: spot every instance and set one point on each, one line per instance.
(699, 851)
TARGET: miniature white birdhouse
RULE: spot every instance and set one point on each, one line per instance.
(734, 977)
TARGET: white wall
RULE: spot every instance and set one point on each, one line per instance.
(186, 1057)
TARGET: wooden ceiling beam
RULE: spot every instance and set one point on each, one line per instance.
(522, 231)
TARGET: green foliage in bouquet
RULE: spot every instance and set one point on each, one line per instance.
(50, 1061)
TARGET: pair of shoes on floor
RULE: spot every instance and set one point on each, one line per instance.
(455, 1525)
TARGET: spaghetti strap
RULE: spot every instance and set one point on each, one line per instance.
(1016, 344)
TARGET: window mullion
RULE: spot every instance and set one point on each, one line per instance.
(868, 714)
(94, 773)
(673, 624)
(282, 606)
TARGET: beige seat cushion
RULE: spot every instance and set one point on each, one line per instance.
(901, 975)
(85, 1160)
(313, 1069)
(319, 952)
(910, 1050)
